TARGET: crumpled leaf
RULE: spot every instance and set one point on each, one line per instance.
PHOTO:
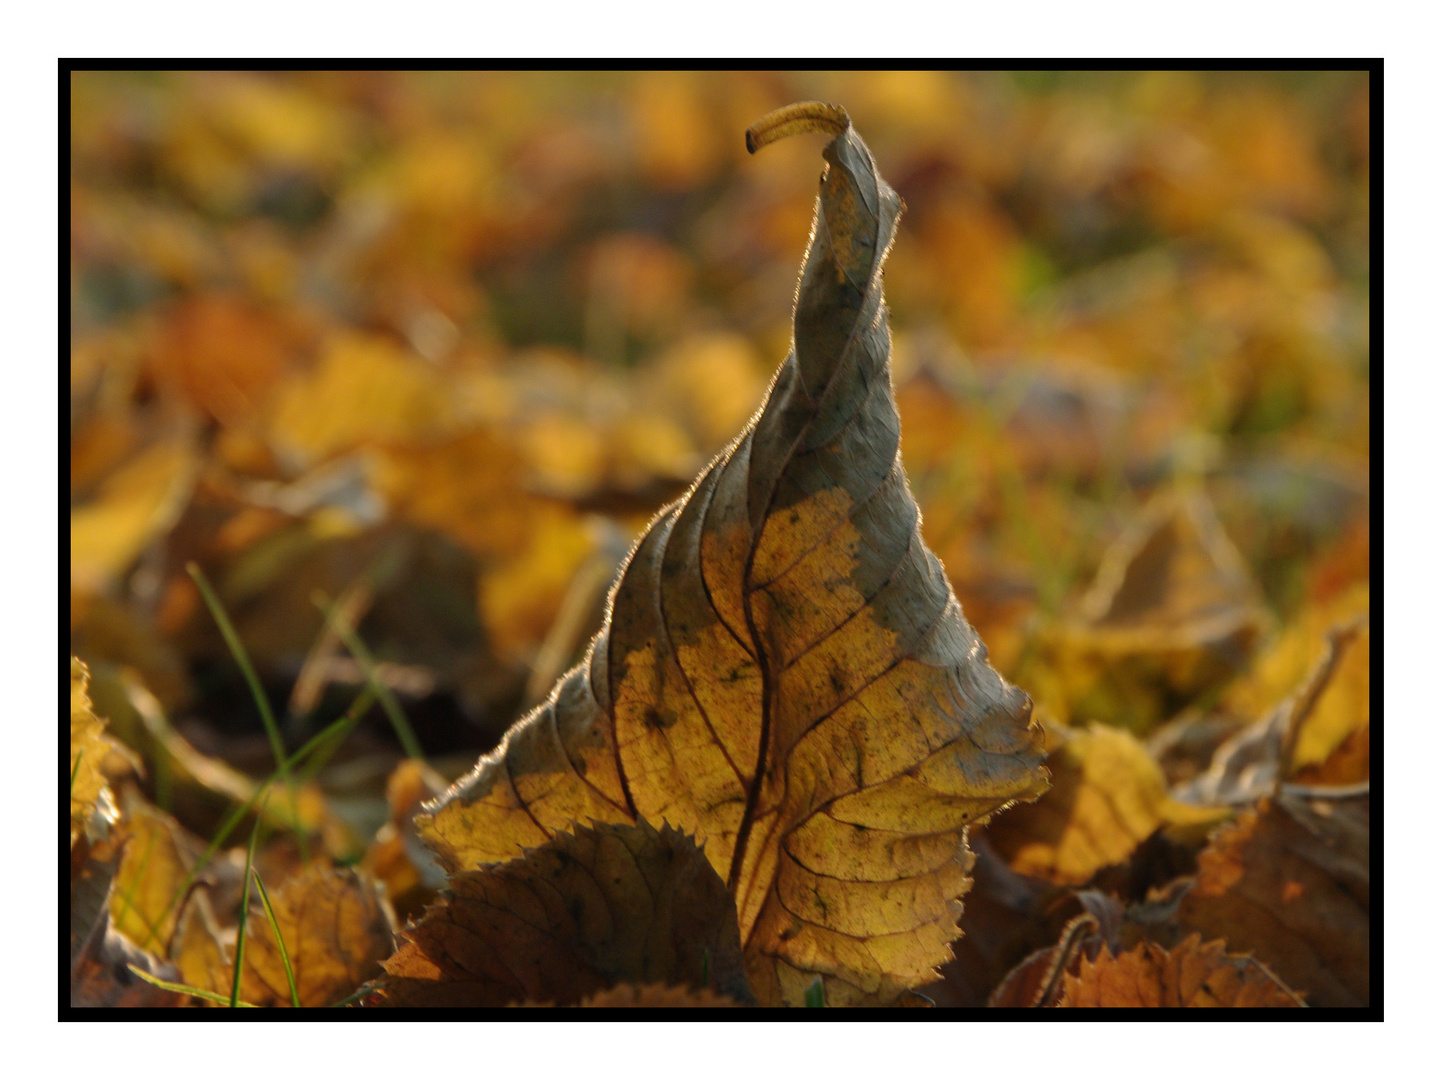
(140, 500)
(1193, 975)
(1107, 797)
(785, 672)
(337, 929)
(92, 807)
(586, 911)
(1290, 882)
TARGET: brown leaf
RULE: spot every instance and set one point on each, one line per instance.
(337, 928)
(1193, 975)
(1107, 797)
(785, 672)
(1290, 882)
(586, 911)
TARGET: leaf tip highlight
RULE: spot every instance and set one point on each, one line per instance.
(796, 119)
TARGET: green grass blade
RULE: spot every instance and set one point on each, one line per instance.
(408, 742)
(243, 917)
(279, 940)
(194, 991)
(79, 757)
(347, 722)
(815, 994)
(267, 717)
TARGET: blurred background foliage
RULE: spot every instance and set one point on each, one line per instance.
(437, 345)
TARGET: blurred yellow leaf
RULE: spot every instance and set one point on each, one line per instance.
(139, 501)
(365, 390)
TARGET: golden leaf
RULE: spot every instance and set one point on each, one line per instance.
(198, 951)
(91, 803)
(157, 860)
(785, 672)
(587, 911)
(336, 927)
(1107, 796)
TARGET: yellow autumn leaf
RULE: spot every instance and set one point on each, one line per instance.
(136, 503)
(1108, 795)
(91, 803)
(336, 926)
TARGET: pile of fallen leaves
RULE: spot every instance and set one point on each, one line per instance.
(403, 364)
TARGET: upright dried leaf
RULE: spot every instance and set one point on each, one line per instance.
(586, 911)
(337, 928)
(1193, 975)
(1290, 882)
(785, 672)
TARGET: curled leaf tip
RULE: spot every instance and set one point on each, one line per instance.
(796, 119)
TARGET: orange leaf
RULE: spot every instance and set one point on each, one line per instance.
(1190, 976)
(1290, 882)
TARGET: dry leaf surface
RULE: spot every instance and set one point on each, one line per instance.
(582, 913)
(785, 672)
(1192, 975)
